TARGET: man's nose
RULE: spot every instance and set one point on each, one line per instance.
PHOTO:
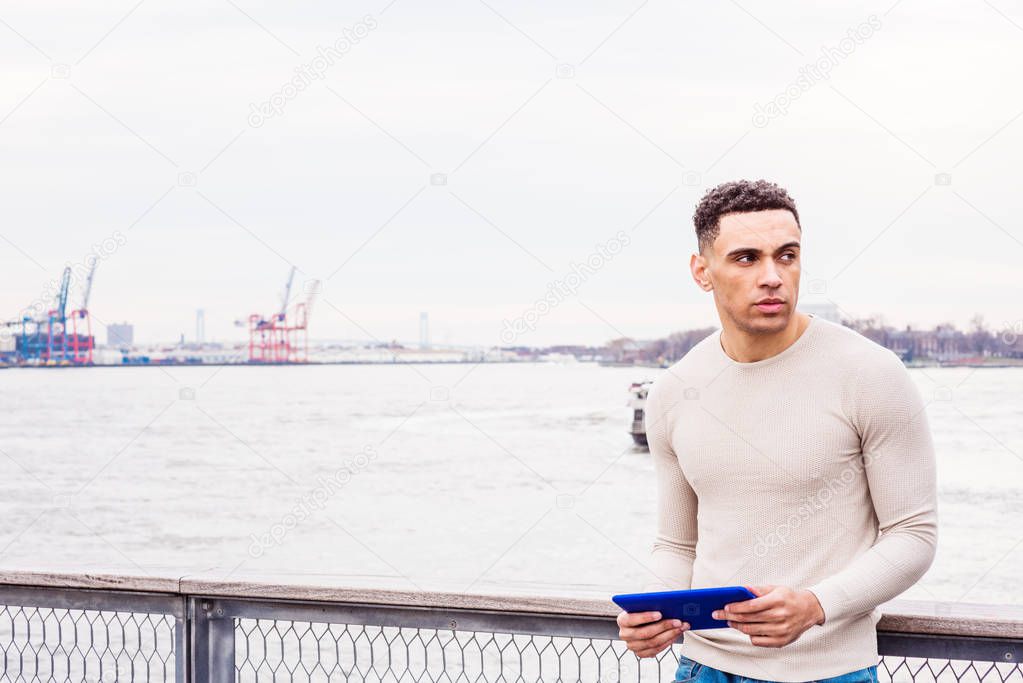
(769, 276)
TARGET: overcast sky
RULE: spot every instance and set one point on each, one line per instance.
(555, 126)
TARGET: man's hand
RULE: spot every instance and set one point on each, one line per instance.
(776, 617)
(647, 634)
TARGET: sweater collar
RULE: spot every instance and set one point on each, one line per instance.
(792, 349)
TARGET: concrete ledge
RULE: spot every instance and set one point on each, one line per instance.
(899, 616)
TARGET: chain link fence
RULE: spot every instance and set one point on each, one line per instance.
(45, 644)
(98, 636)
(269, 650)
(275, 651)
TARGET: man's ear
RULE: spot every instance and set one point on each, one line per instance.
(698, 267)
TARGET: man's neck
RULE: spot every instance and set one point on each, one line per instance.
(750, 348)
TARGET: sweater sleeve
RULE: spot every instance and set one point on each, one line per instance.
(899, 464)
(674, 548)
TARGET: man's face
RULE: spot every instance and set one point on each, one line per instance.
(753, 262)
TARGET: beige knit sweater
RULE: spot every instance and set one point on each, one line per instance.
(813, 468)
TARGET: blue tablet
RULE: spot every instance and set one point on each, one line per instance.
(691, 606)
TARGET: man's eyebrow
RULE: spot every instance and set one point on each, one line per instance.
(754, 250)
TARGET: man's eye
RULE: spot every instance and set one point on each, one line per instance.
(745, 256)
(790, 255)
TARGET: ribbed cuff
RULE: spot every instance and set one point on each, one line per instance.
(831, 598)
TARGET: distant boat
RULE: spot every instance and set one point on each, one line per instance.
(638, 404)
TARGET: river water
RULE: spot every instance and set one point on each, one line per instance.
(520, 475)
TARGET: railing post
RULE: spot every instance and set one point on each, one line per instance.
(211, 642)
(182, 646)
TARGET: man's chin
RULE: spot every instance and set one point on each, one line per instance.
(759, 323)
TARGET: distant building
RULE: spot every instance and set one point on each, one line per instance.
(200, 327)
(120, 334)
(826, 310)
(424, 330)
(943, 343)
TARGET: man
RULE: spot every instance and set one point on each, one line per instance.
(792, 456)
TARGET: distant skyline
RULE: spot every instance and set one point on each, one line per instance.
(823, 310)
(468, 159)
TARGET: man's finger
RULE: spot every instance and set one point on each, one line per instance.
(637, 618)
(650, 631)
(668, 636)
(655, 645)
(769, 641)
(760, 628)
(648, 653)
(766, 601)
(767, 616)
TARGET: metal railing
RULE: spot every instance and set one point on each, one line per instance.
(117, 628)
(67, 634)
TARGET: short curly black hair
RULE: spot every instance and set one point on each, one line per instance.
(737, 196)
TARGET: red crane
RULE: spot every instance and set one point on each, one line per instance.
(81, 347)
(275, 338)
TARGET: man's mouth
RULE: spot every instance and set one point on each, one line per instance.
(770, 305)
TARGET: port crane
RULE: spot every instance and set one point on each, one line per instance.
(82, 352)
(280, 338)
(49, 339)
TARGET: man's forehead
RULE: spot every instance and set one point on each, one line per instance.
(763, 229)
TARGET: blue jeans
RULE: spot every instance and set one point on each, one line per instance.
(688, 670)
